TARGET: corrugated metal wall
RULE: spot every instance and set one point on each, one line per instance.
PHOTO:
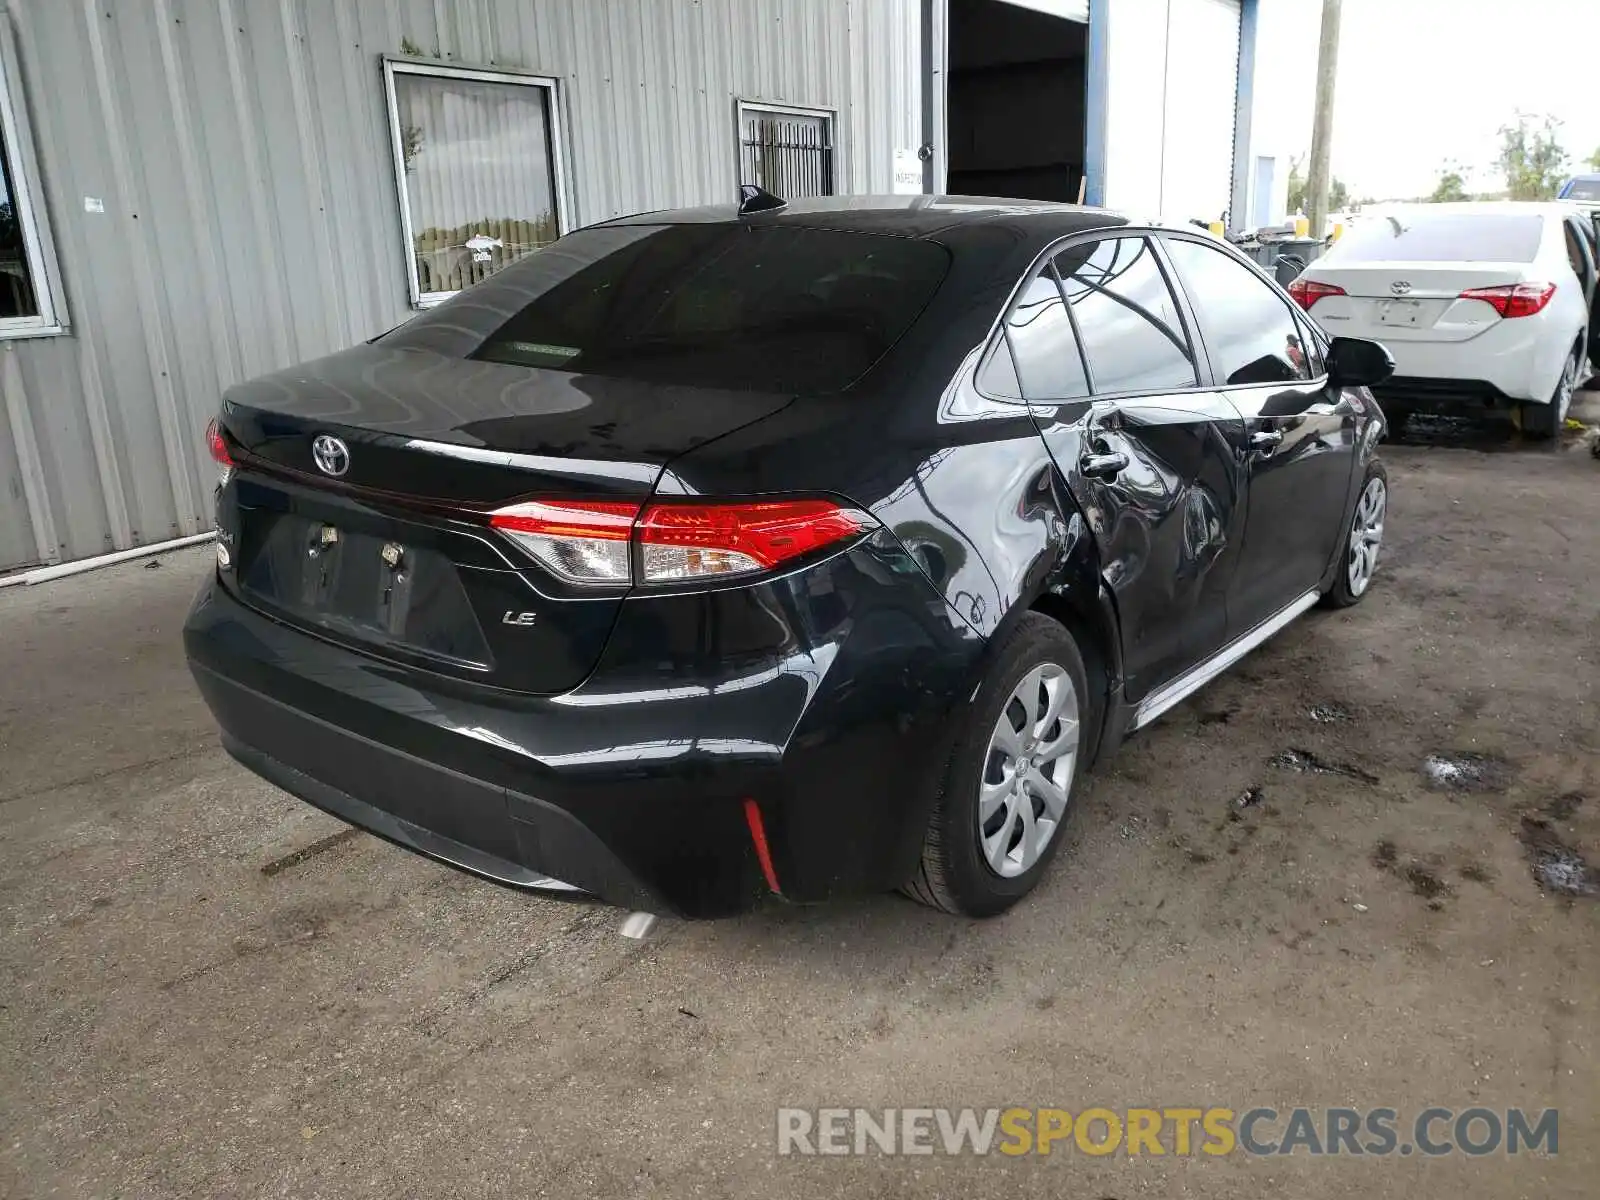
(241, 149)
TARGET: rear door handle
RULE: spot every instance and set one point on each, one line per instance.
(1265, 441)
(1103, 466)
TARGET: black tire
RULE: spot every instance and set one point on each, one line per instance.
(1539, 421)
(953, 875)
(1397, 417)
(1547, 420)
(1342, 593)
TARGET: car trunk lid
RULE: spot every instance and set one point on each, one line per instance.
(386, 545)
(1410, 301)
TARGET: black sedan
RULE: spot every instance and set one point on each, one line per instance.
(813, 551)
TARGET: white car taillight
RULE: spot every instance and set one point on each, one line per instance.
(1306, 292)
(590, 542)
(1513, 300)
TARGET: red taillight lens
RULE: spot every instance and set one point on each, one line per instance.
(693, 541)
(1306, 292)
(590, 542)
(1513, 299)
(581, 541)
(218, 446)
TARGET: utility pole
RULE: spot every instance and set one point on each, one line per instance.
(1317, 179)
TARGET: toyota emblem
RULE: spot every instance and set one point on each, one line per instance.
(1400, 287)
(332, 455)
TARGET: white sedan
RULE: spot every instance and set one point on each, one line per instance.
(1483, 305)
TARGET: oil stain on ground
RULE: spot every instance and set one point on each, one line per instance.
(1557, 867)
(1465, 773)
(1294, 759)
(1423, 880)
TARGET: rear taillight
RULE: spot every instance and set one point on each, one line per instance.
(218, 446)
(1513, 299)
(692, 541)
(582, 542)
(1306, 292)
(591, 542)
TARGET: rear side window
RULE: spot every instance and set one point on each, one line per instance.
(1133, 338)
(771, 309)
(1049, 366)
(1582, 189)
(1250, 332)
(1575, 251)
(1440, 237)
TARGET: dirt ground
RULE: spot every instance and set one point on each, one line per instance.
(207, 990)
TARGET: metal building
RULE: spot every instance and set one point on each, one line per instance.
(198, 191)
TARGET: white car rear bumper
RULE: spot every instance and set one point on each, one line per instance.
(1520, 359)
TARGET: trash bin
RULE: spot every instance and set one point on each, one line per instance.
(1294, 256)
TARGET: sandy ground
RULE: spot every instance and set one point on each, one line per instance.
(190, 1006)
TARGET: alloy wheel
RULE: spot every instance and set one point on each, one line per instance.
(1028, 770)
(1566, 388)
(1366, 535)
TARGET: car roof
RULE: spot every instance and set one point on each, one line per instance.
(918, 216)
(1507, 208)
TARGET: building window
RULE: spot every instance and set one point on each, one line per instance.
(30, 282)
(477, 158)
(788, 151)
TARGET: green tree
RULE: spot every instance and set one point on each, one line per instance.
(1338, 193)
(1451, 187)
(1532, 158)
(1593, 161)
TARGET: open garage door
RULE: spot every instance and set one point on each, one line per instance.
(1015, 98)
(1172, 79)
(1201, 86)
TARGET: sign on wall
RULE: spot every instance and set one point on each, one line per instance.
(907, 173)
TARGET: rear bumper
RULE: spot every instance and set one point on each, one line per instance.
(632, 786)
(1421, 394)
(1513, 362)
(417, 804)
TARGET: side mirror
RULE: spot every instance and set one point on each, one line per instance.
(1356, 362)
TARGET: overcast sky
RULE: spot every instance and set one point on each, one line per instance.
(1423, 81)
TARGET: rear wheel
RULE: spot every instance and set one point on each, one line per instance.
(1008, 789)
(1547, 420)
(1363, 541)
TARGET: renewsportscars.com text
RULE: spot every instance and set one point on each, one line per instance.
(1180, 1131)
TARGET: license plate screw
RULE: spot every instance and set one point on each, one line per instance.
(391, 554)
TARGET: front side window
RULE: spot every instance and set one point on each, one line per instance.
(1133, 338)
(30, 302)
(1248, 328)
(477, 160)
(751, 308)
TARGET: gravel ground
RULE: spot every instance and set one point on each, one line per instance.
(207, 988)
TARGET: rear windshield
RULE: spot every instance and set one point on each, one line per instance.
(1582, 189)
(1441, 237)
(710, 305)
